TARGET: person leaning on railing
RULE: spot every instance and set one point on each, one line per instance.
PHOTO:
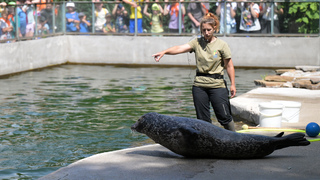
(21, 12)
(30, 17)
(100, 14)
(2, 6)
(5, 26)
(85, 25)
(72, 18)
(227, 9)
(173, 10)
(136, 9)
(121, 18)
(196, 10)
(266, 17)
(156, 17)
(109, 26)
(249, 22)
(12, 18)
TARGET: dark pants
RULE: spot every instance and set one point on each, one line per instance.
(219, 98)
(266, 26)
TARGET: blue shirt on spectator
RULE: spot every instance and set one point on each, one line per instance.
(84, 27)
(71, 26)
(23, 20)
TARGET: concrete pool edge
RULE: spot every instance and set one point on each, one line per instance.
(34, 54)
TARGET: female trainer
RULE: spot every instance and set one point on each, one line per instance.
(212, 56)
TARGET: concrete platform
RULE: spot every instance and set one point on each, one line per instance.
(157, 162)
(246, 106)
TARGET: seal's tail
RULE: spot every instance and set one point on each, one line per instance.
(295, 139)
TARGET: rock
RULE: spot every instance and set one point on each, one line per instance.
(264, 83)
(281, 71)
(301, 83)
(313, 86)
(287, 85)
(315, 80)
(278, 78)
(308, 68)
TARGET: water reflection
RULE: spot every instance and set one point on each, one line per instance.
(53, 117)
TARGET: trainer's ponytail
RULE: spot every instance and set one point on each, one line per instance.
(211, 19)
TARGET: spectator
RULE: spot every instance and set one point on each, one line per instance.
(2, 7)
(156, 17)
(134, 5)
(12, 18)
(231, 8)
(109, 26)
(48, 14)
(84, 23)
(121, 16)
(43, 27)
(100, 16)
(72, 18)
(41, 4)
(5, 26)
(21, 12)
(249, 22)
(30, 17)
(266, 17)
(173, 10)
(196, 10)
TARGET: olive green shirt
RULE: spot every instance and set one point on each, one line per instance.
(209, 60)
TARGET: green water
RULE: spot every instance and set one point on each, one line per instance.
(56, 116)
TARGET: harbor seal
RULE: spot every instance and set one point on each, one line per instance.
(199, 139)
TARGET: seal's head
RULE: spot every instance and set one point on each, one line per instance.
(144, 122)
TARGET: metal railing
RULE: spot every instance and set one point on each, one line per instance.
(297, 18)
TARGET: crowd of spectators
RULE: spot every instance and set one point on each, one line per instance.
(18, 18)
(252, 17)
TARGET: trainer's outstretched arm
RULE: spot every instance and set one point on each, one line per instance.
(172, 51)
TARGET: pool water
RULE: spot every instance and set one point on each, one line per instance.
(56, 116)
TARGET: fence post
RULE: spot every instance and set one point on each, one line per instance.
(225, 17)
(180, 18)
(36, 21)
(17, 25)
(64, 17)
(135, 21)
(93, 18)
(54, 18)
(272, 17)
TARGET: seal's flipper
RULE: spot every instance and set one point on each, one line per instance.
(295, 139)
(189, 132)
(280, 134)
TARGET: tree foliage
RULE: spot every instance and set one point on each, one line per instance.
(307, 14)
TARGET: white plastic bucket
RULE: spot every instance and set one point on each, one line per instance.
(291, 111)
(270, 114)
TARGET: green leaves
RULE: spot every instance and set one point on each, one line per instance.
(306, 13)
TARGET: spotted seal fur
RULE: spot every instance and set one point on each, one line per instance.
(200, 139)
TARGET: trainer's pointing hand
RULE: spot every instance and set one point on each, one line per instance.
(158, 56)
